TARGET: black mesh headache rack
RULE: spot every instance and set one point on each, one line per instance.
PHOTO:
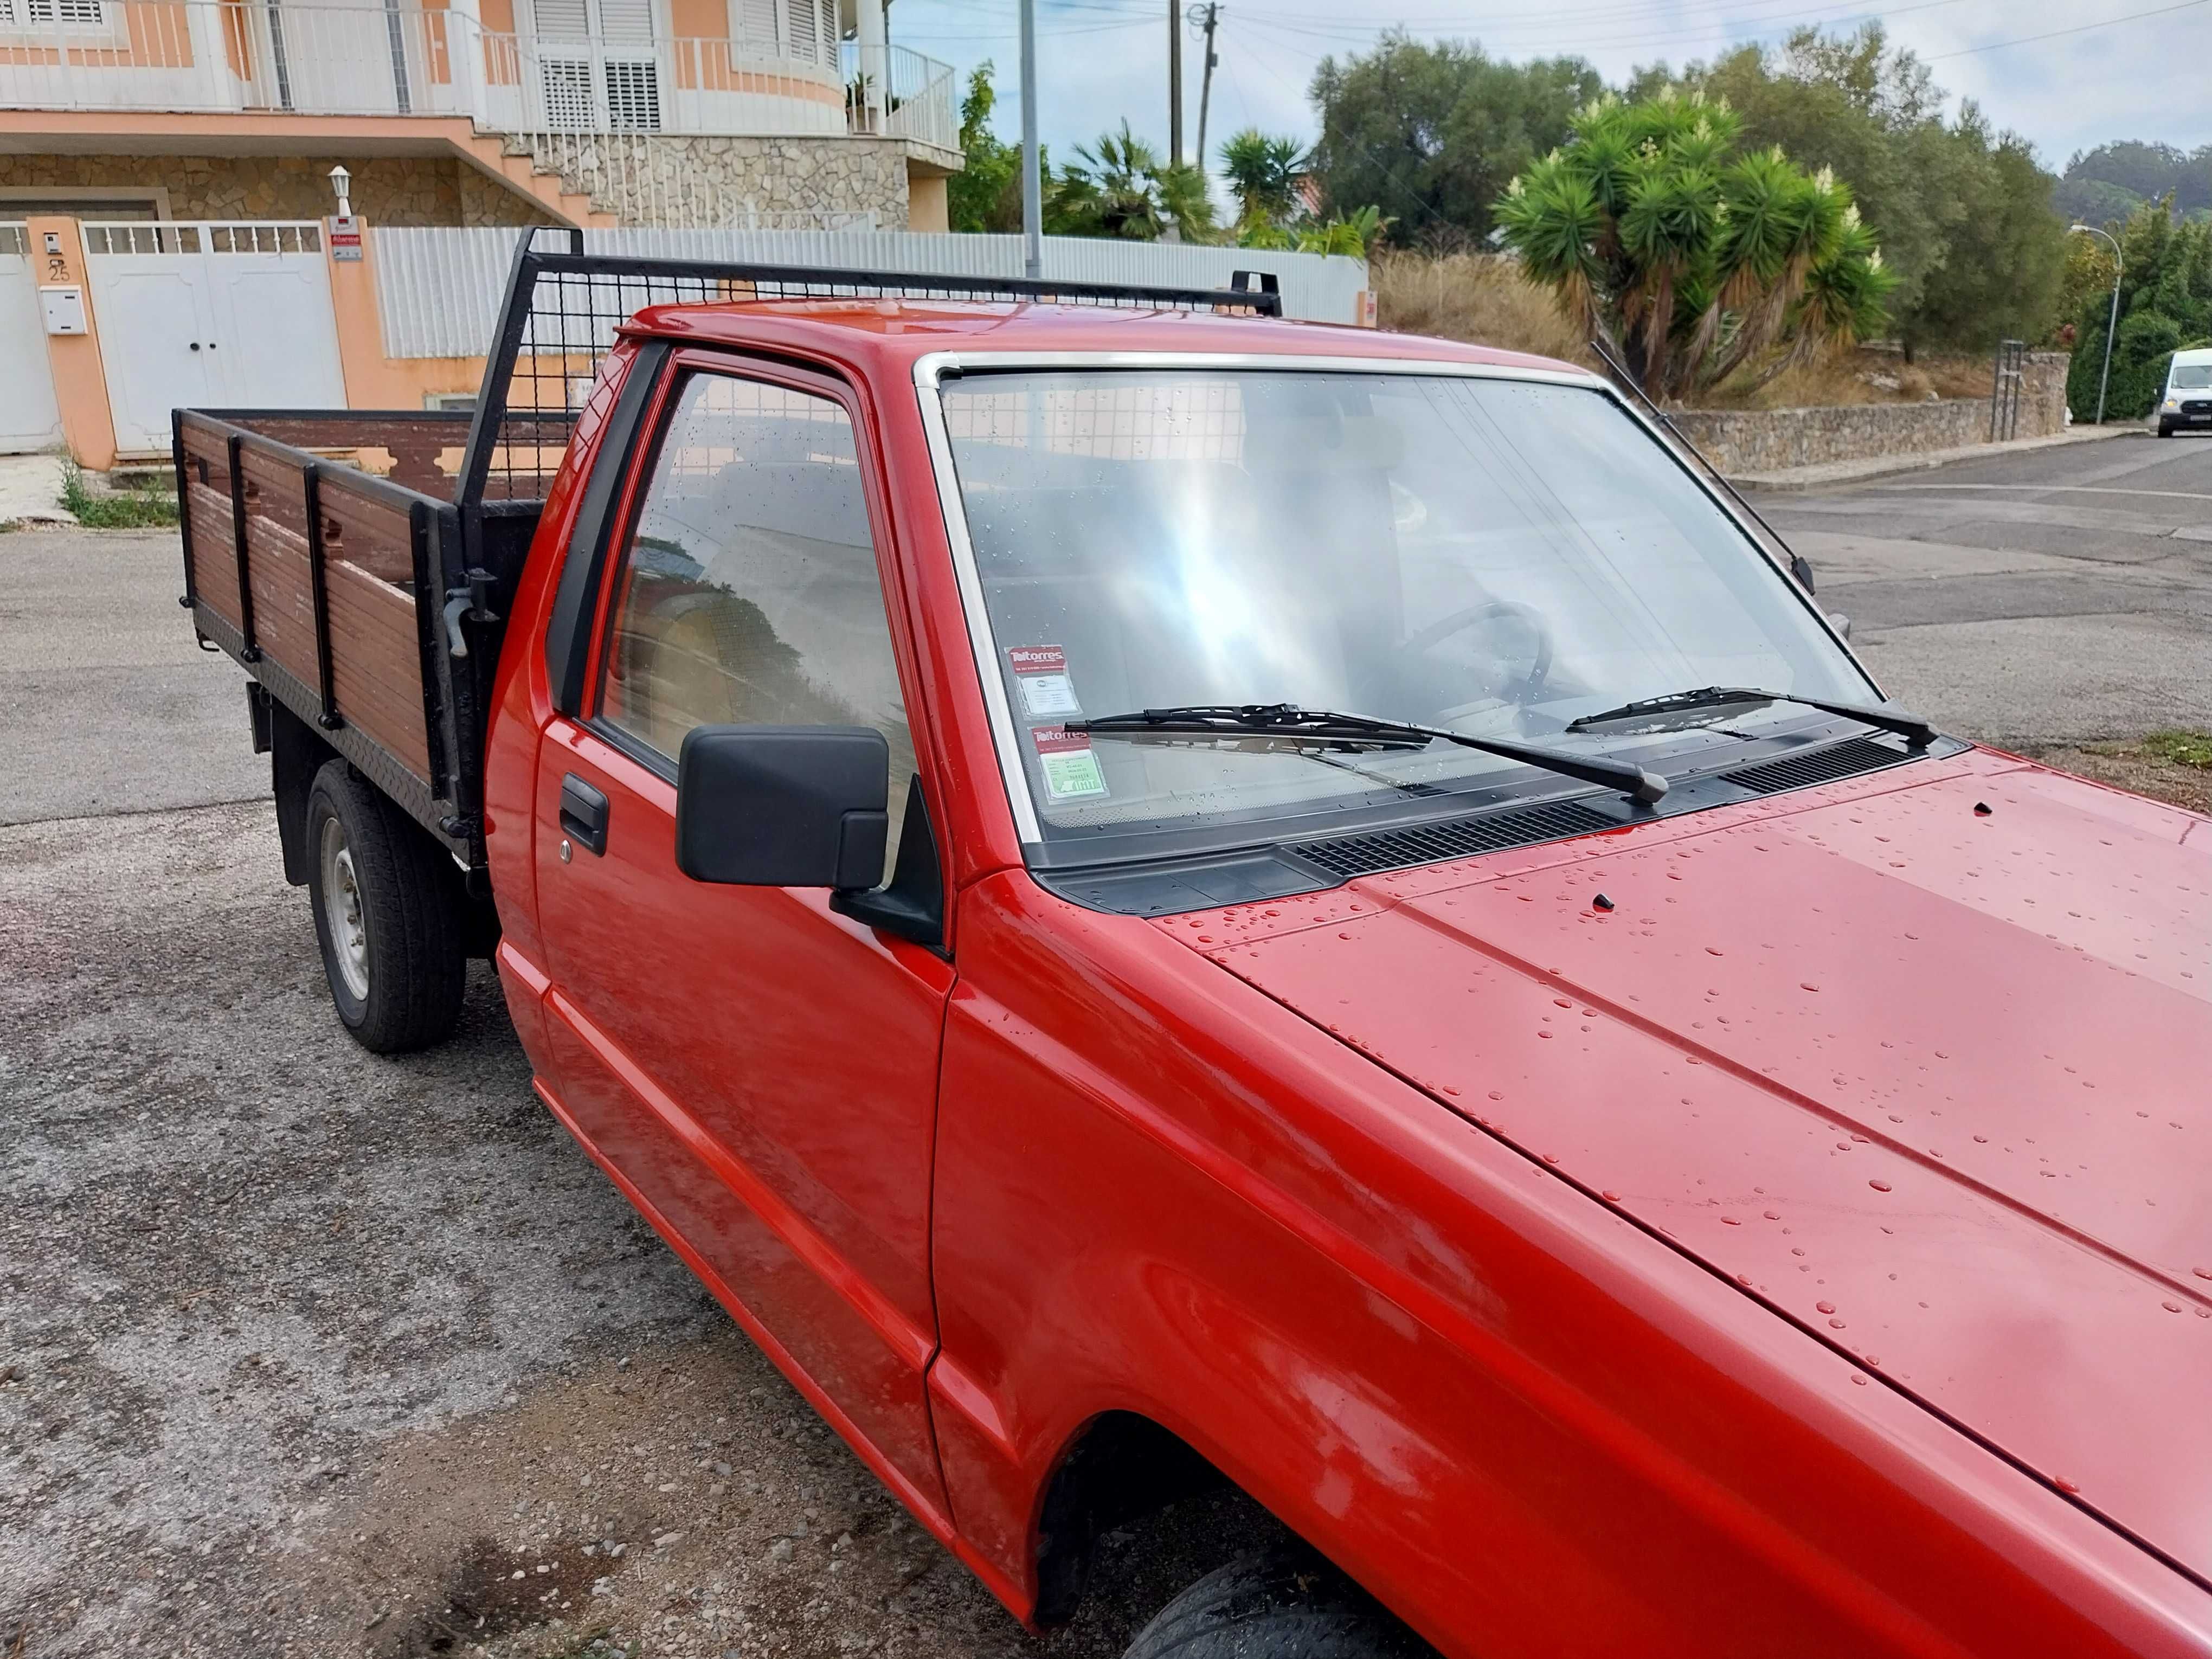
(370, 599)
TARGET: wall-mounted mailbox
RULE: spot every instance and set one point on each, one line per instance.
(64, 308)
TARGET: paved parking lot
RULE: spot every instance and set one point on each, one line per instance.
(305, 1352)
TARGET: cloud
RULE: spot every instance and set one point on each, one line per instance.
(1103, 60)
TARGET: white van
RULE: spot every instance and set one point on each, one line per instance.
(2187, 399)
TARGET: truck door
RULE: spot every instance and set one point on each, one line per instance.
(757, 1071)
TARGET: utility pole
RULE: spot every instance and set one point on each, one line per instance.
(1175, 81)
(1205, 80)
(1032, 186)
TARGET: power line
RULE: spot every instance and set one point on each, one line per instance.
(2080, 28)
(1768, 22)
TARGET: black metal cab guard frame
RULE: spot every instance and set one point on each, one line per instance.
(373, 607)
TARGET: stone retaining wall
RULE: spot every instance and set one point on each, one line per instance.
(1771, 440)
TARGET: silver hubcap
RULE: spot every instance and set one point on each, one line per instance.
(342, 910)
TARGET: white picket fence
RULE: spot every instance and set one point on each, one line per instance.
(438, 288)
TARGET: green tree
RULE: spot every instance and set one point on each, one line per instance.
(2165, 304)
(1120, 187)
(2003, 265)
(1263, 171)
(1430, 132)
(976, 196)
(1686, 259)
(1962, 214)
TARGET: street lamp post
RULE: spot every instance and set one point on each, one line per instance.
(2112, 323)
(1032, 183)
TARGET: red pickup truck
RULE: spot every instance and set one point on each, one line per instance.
(1153, 896)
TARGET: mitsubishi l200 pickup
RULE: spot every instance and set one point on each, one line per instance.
(1153, 896)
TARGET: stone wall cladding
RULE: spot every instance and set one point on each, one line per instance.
(395, 190)
(1772, 439)
(827, 174)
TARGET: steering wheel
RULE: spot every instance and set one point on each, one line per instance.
(1531, 686)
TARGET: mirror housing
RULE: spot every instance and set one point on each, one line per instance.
(783, 805)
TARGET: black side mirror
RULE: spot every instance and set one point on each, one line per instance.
(783, 805)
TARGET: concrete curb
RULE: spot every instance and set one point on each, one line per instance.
(1884, 466)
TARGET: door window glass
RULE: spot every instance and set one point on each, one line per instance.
(749, 594)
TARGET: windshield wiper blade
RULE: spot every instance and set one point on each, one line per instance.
(1915, 730)
(1287, 719)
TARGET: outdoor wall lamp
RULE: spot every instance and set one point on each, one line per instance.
(342, 186)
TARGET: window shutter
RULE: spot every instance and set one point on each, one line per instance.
(753, 21)
(633, 96)
(561, 20)
(626, 23)
(567, 95)
(805, 38)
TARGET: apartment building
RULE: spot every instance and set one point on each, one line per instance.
(189, 147)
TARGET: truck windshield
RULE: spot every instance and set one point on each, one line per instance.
(2192, 377)
(1491, 556)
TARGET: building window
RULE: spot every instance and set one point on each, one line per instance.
(77, 14)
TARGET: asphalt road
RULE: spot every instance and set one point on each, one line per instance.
(303, 1351)
(2043, 596)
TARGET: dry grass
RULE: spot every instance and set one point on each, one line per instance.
(1482, 299)
(1474, 297)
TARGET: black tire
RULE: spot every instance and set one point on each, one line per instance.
(1286, 1604)
(389, 913)
(2165, 430)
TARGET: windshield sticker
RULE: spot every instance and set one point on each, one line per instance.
(1047, 690)
(1071, 770)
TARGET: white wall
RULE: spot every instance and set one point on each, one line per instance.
(438, 290)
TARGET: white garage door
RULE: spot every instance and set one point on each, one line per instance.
(28, 419)
(210, 315)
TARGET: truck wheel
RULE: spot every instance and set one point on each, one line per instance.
(1287, 1604)
(2165, 429)
(388, 911)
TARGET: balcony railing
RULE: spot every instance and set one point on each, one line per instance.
(783, 78)
(914, 100)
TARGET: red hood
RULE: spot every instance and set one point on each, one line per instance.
(1936, 1084)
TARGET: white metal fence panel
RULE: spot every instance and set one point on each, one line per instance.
(201, 313)
(437, 289)
(29, 418)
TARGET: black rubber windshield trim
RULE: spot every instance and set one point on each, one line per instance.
(568, 631)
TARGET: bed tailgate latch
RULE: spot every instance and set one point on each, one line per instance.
(473, 602)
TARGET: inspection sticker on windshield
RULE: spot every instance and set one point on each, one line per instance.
(1071, 770)
(1047, 692)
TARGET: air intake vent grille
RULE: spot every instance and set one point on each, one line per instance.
(1427, 843)
(1841, 760)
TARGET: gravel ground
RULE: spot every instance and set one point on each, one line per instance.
(310, 1352)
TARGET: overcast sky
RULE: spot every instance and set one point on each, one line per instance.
(2125, 75)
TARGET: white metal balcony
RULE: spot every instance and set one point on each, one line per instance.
(786, 76)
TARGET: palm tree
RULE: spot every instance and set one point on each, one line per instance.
(1687, 260)
(1120, 187)
(1263, 173)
